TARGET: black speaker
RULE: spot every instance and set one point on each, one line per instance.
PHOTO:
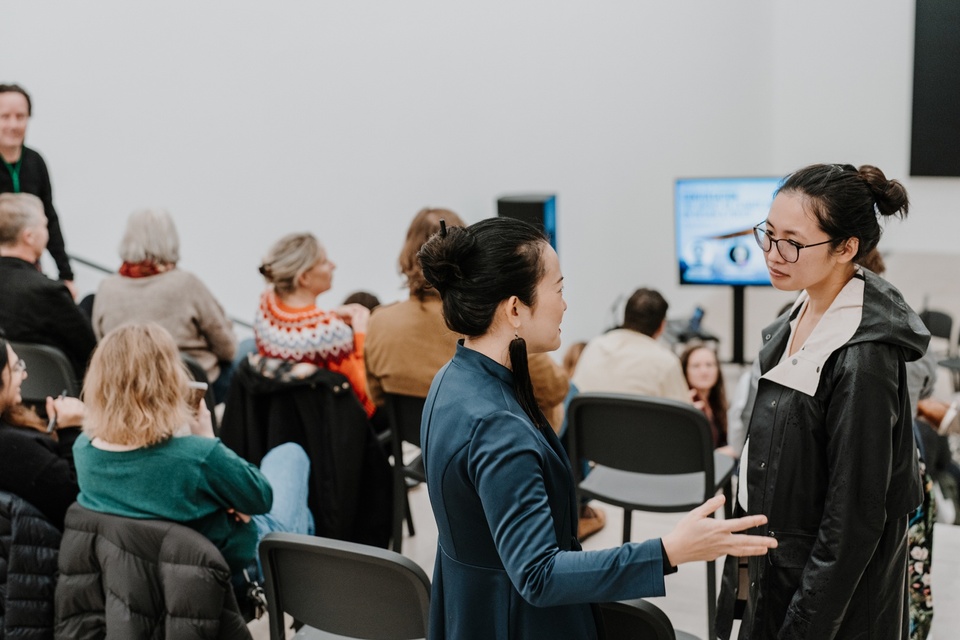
(540, 210)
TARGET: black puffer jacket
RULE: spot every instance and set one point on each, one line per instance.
(28, 570)
(127, 578)
(833, 466)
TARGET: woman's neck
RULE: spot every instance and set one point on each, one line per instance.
(826, 291)
(494, 346)
(298, 299)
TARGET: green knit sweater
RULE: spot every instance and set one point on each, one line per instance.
(191, 480)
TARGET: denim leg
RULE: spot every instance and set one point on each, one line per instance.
(287, 468)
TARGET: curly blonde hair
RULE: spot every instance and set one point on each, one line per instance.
(135, 389)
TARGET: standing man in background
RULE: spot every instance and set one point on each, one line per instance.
(24, 171)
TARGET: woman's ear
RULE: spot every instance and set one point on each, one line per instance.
(511, 312)
(848, 250)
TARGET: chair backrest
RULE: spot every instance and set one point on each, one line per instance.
(640, 434)
(938, 323)
(404, 414)
(344, 588)
(50, 373)
(636, 620)
(128, 578)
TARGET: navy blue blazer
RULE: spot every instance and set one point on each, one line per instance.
(508, 561)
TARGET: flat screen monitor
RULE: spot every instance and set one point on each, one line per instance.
(714, 220)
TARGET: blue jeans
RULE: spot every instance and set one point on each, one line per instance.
(287, 468)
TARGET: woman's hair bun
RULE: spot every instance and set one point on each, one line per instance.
(442, 255)
(890, 196)
(265, 271)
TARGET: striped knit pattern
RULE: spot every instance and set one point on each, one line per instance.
(301, 335)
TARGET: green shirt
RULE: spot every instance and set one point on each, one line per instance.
(191, 480)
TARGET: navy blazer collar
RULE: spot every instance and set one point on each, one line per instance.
(474, 360)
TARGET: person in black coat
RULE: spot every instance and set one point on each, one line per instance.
(36, 466)
(830, 456)
(26, 172)
(34, 308)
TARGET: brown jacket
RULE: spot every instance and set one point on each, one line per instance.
(407, 343)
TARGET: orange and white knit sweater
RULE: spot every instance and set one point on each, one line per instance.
(308, 334)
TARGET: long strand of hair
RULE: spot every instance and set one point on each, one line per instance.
(522, 385)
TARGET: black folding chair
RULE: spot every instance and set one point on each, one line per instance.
(343, 588)
(49, 374)
(403, 414)
(638, 620)
(651, 454)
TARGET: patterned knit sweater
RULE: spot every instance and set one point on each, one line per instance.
(308, 334)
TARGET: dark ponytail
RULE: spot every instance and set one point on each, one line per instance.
(476, 268)
(847, 201)
(522, 385)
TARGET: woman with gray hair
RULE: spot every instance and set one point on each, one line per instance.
(150, 288)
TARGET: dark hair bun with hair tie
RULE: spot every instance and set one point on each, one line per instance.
(890, 195)
(441, 258)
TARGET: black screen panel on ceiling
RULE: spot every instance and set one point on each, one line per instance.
(935, 143)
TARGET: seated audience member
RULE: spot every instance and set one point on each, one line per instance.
(34, 308)
(150, 288)
(701, 367)
(144, 453)
(631, 359)
(363, 298)
(408, 341)
(35, 465)
(289, 326)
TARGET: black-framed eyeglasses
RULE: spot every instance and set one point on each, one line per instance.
(788, 249)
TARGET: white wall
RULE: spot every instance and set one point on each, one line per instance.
(250, 120)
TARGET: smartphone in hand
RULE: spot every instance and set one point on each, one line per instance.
(198, 390)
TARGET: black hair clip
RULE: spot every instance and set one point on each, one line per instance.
(443, 228)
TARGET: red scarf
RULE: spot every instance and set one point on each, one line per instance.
(145, 268)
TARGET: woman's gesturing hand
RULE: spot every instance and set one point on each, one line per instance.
(699, 537)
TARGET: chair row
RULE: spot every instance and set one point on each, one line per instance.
(126, 578)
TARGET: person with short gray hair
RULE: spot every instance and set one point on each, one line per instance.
(151, 288)
(34, 308)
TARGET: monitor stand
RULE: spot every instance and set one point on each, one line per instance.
(738, 321)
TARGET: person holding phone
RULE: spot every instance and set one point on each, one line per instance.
(145, 453)
(36, 457)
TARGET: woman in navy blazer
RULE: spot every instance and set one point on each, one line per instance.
(508, 561)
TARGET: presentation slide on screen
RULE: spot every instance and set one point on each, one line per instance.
(714, 226)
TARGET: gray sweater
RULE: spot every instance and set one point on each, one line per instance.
(177, 301)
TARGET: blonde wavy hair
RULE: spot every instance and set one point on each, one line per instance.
(135, 389)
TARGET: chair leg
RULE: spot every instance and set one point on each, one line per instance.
(627, 524)
(406, 500)
(711, 599)
(400, 508)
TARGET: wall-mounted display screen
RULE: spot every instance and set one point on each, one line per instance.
(714, 220)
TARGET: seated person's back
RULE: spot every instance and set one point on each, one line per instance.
(408, 342)
(34, 308)
(289, 325)
(150, 288)
(631, 359)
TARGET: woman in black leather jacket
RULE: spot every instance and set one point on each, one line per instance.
(830, 458)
